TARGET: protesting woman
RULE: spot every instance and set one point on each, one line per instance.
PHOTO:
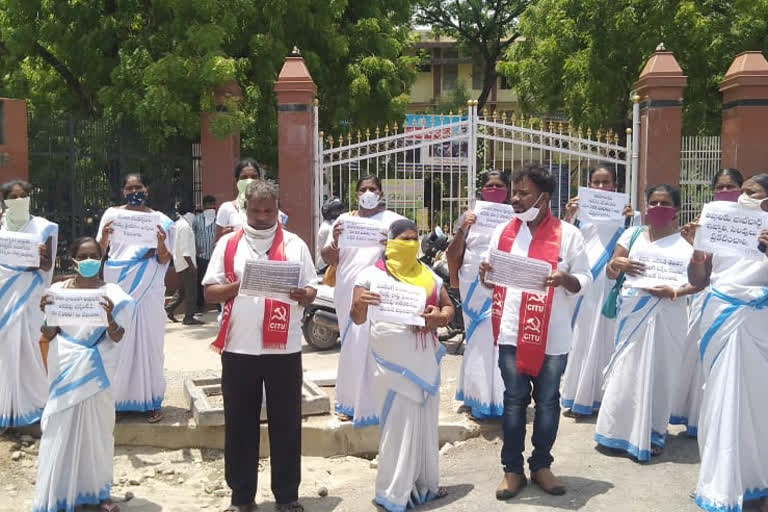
(139, 383)
(593, 329)
(23, 385)
(733, 425)
(643, 372)
(686, 405)
(480, 385)
(76, 449)
(407, 377)
(354, 384)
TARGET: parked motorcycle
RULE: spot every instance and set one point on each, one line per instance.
(319, 323)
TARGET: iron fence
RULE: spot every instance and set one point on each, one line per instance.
(700, 158)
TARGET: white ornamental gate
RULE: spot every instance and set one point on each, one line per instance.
(429, 166)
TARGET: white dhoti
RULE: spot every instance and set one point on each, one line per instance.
(733, 426)
(642, 375)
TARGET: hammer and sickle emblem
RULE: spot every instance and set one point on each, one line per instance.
(533, 324)
(497, 299)
(280, 314)
(541, 299)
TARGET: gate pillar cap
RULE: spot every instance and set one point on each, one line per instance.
(748, 70)
(295, 77)
(661, 78)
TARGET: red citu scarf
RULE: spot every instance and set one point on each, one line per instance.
(535, 309)
(277, 315)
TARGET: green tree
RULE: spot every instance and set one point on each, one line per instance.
(157, 63)
(582, 57)
(486, 28)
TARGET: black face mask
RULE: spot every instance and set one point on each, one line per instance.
(136, 198)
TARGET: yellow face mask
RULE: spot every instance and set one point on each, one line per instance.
(403, 263)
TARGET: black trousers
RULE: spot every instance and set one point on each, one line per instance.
(202, 267)
(242, 377)
(187, 293)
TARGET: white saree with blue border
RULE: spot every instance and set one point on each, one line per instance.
(23, 382)
(407, 387)
(480, 386)
(75, 465)
(643, 372)
(593, 332)
(139, 383)
(733, 425)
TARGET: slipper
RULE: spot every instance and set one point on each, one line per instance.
(108, 506)
(568, 413)
(442, 492)
(656, 450)
(155, 416)
(343, 417)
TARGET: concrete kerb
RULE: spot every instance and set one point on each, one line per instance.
(321, 436)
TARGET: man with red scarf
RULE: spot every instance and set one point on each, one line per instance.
(260, 346)
(533, 331)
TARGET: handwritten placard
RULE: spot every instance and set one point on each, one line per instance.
(136, 228)
(661, 268)
(269, 278)
(361, 232)
(490, 215)
(400, 303)
(76, 307)
(726, 227)
(513, 271)
(601, 206)
(19, 249)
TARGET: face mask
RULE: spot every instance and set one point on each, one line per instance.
(749, 203)
(369, 200)
(259, 233)
(728, 195)
(16, 213)
(531, 213)
(660, 216)
(242, 186)
(494, 195)
(136, 198)
(87, 267)
(402, 253)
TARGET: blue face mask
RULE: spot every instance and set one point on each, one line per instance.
(87, 267)
(136, 198)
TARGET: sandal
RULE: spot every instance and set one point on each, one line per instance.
(108, 506)
(343, 417)
(442, 492)
(656, 450)
(155, 416)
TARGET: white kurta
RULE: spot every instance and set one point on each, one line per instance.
(407, 385)
(644, 370)
(139, 383)
(686, 404)
(354, 381)
(593, 332)
(75, 466)
(733, 425)
(23, 384)
(480, 385)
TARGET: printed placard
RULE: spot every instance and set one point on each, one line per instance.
(661, 268)
(361, 232)
(513, 271)
(401, 303)
(19, 249)
(726, 227)
(602, 206)
(136, 228)
(489, 215)
(76, 307)
(269, 278)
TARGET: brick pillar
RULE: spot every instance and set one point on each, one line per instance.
(660, 88)
(745, 114)
(218, 155)
(14, 146)
(296, 92)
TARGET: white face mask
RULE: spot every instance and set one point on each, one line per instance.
(16, 213)
(369, 200)
(749, 203)
(531, 213)
(259, 234)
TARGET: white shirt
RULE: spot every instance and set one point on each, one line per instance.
(184, 244)
(245, 323)
(573, 259)
(230, 215)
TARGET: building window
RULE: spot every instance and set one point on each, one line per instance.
(425, 67)
(478, 76)
(450, 71)
(503, 83)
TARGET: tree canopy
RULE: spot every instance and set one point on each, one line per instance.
(157, 63)
(487, 28)
(582, 57)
